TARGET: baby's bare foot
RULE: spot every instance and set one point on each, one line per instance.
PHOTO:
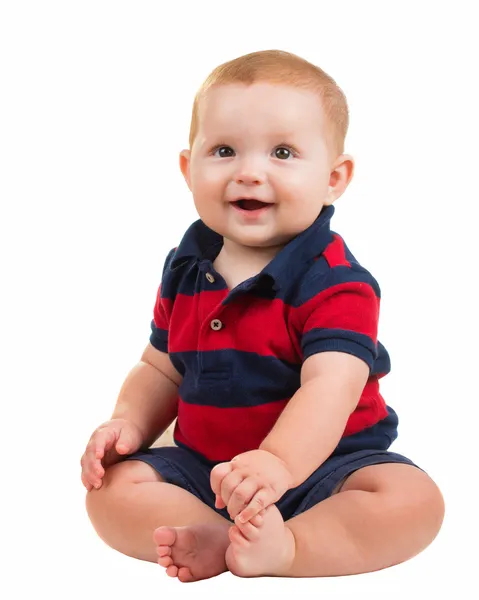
(267, 549)
(194, 552)
(197, 551)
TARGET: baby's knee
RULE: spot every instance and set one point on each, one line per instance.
(99, 501)
(115, 506)
(104, 505)
(116, 486)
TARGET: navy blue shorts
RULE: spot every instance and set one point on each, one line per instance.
(190, 471)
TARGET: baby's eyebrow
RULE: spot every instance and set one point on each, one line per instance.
(232, 139)
(284, 134)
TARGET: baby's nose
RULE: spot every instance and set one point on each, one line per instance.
(249, 175)
(248, 180)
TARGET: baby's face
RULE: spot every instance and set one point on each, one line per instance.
(265, 142)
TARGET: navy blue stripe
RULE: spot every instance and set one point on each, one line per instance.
(339, 340)
(319, 282)
(377, 437)
(232, 378)
(193, 281)
(316, 340)
(382, 364)
(159, 338)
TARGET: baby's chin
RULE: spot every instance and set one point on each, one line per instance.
(264, 250)
(255, 238)
(278, 239)
(255, 235)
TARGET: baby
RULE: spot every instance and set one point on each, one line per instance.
(264, 346)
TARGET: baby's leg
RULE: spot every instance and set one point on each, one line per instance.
(134, 500)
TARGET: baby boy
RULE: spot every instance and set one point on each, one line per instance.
(264, 347)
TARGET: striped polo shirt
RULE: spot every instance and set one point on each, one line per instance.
(240, 351)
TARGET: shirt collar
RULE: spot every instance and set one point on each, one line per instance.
(202, 243)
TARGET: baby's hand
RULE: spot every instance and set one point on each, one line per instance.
(251, 482)
(108, 443)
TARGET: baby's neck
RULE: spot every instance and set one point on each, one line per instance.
(238, 263)
(235, 255)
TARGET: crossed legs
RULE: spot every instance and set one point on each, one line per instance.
(134, 500)
(382, 515)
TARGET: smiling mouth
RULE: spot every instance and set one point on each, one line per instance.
(250, 204)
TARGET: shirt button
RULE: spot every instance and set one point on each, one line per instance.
(210, 277)
(216, 324)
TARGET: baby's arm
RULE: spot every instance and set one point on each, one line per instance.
(149, 396)
(146, 406)
(312, 424)
(337, 326)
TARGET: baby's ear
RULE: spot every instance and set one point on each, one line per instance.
(185, 156)
(341, 175)
(330, 197)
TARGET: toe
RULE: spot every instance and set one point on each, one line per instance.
(172, 571)
(184, 574)
(163, 550)
(249, 531)
(164, 536)
(236, 537)
(165, 561)
(257, 520)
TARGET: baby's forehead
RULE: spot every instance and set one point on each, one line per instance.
(259, 92)
(279, 109)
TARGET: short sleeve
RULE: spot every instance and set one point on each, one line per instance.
(343, 316)
(160, 322)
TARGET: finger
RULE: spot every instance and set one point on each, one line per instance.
(90, 475)
(257, 520)
(124, 444)
(229, 485)
(95, 455)
(105, 443)
(108, 440)
(217, 474)
(261, 500)
(242, 495)
(93, 478)
(250, 532)
(86, 468)
(85, 482)
(84, 472)
(96, 449)
(98, 474)
(219, 502)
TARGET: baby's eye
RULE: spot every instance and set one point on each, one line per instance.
(222, 154)
(283, 152)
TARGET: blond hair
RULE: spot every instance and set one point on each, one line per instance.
(280, 67)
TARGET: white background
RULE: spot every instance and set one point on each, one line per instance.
(95, 106)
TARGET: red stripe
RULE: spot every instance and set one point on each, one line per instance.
(370, 409)
(260, 326)
(352, 306)
(267, 326)
(222, 433)
(335, 253)
(160, 316)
